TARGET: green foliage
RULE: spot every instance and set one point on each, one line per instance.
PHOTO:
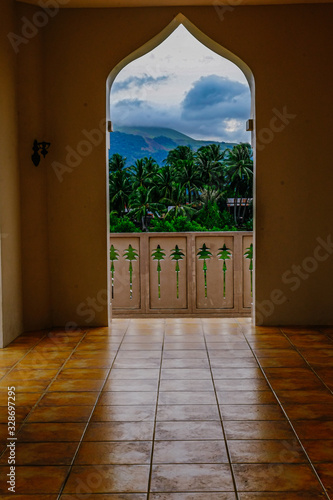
(188, 193)
(122, 225)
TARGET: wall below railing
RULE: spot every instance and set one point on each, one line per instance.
(183, 274)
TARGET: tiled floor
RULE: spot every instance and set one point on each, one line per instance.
(171, 409)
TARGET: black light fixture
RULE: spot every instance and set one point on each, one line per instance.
(39, 148)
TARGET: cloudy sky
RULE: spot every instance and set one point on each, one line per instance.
(185, 86)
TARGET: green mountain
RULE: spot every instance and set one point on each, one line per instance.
(138, 142)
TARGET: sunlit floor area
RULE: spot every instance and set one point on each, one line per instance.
(170, 409)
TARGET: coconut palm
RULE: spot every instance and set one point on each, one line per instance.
(239, 171)
(179, 153)
(188, 175)
(120, 189)
(209, 161)
(117, 163)
(177, 202)
(142, 204)
(164, 180)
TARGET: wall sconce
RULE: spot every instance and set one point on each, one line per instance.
(39, 147)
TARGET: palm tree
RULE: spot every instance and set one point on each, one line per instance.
(179, 153)
(119, 190)
(239, 169)
(141, 204)
(209, 161)
(188, 175)
(117, 163)
(177, 201)
(164, 180)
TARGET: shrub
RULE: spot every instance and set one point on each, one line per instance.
(123, 225)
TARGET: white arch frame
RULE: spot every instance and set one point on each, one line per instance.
(218, 49)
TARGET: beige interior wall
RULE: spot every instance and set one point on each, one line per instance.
(288, 49)
(10, 269)
(32, 107)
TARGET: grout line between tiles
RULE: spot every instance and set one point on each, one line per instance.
(89, 419)
(155, 419)
(289, 421)
(222, 423)
(46, 388)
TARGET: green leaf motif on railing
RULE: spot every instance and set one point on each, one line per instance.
(158, 254)
(177, 254)
(204, 254)
(224, 254)
(131, 255)
(114, 256)
(249, 255)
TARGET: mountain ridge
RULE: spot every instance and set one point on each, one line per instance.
(137, 142)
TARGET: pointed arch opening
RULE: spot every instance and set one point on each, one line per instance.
(245, 248)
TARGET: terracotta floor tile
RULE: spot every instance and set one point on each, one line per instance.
(298, 385)
(21, 398)
(185, 373)
(20, 413)
(258, 430)
(261, 343)
(235, 373)
(128, 398)
(26, 374)
(43, 454)
(137, 363)
(186, 398)
(245, 397)
(120, 431)
(307, 429)
(266, 451)
(241, 384)
(131, 385)
(292, 373)
(178, 346)
(109, 478)
(132, 413)
(30, 497)
(186, 385)
(325, 472)
(274, 353)
(185, 363)
(189, 430)
(141, 347)
(191, 477)
(110, 496)
(76, 385)
(60, 414)
(36, 480)
(138, 355)
(276, 477)
(192, 496)
(310, 411)
(134, 374)
(319, 450)
(187, 412)
(190, 452)
(185, 354)
(321, 396)
(283, 362)
(251, 412)
(125, 452)
(229, 354)
(237, 346)
(301, 495)
(89, 363)
(50, 432)
(69, 399)
(234, 363)
(81, 374)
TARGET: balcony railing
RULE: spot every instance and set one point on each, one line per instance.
(194, 274)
